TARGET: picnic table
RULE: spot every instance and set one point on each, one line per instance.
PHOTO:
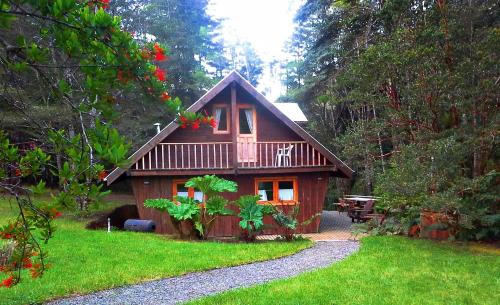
(359, 207)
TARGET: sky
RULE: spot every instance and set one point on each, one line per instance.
(266, 24)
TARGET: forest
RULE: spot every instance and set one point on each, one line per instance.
(406, 92)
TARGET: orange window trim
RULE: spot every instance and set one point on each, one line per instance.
(275, 181)
(181, 181)
(228, 122)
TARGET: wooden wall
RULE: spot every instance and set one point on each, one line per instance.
(312, 189)
(269, 127)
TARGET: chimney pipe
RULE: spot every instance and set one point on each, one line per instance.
(157, 127)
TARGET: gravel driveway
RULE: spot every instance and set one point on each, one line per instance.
(195, 285)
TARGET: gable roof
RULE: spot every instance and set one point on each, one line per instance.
(292, 111)
(207, 97)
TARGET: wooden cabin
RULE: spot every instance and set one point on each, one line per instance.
(254, 144)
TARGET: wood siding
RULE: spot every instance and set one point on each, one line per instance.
(203, 149)
(312, 189)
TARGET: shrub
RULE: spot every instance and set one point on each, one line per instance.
(252, 216)
(289, 222)
(184, 212)
(213, 204)
(201, 215)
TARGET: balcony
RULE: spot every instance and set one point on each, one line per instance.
(219, 155)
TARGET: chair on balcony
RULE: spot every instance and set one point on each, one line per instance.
(283, 156)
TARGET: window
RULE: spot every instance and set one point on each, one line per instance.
(277, 190)
(221, 115)
(246, 120)
(180, 190)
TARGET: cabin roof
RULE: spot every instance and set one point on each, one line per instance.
(206, 98)
(292, 111)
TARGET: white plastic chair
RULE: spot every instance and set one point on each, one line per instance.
(283, 155)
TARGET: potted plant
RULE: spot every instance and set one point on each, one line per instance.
(437, 218)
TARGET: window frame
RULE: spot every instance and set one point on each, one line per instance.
(175, 182)
(228, 121)
(275, 181)
(252, 135)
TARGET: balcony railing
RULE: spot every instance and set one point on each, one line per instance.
(219, 155)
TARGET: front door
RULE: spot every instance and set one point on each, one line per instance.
(247, 133)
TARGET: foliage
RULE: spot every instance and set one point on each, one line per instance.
(64, 65)
(406, 93)
(414, 272)
(210, 185)
(183, 209)
(289, 222)
(200, 214)
(213, 204)
(252, 215)
(33, 225)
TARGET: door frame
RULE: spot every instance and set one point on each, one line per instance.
(249, 138)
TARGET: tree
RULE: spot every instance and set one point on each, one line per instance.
(193, 63)
(241, 56)
(76, 58)
(385, 78)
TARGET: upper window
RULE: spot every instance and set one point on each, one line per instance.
(221, 115)
(179, 189)
(246, 121)
(278, 190)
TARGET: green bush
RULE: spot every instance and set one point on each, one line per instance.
(252, 215)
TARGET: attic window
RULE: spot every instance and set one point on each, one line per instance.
(221, 115)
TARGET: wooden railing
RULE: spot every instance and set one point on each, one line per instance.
(219, 155)
(214, 155)
(278, 154)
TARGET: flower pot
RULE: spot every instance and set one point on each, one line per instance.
(429, 223)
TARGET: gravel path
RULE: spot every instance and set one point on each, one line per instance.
(195, 285)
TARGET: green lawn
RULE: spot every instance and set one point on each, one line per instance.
(387, 270)
(85, 261)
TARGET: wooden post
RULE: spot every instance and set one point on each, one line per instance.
(234, 113)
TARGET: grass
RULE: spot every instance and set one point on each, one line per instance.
(85, 261)
(387, 270)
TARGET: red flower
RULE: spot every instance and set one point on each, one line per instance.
(213, 122)
(102, 175)
(183, 126)
(105, 4)
(122, 77)
(196, 125)
(7, 282)
(157, 48)
(55, 213)
(160, 74)
(27, 263)
(183, 119)
(165, 96)
(6, 235)
(160, 56)
(17, 172)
